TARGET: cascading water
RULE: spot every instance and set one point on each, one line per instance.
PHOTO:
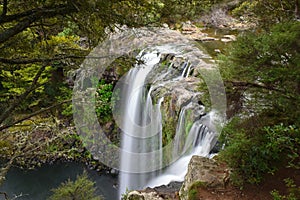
(136, 113)
(142, 127)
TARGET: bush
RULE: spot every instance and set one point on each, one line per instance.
(103, 100)
(254, 153)
(82, 188)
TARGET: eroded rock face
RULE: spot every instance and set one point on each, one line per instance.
(205, 171)
(178, 86)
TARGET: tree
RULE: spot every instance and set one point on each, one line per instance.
(81, 188)
(262, 70)
(266, 65)
(268, 12)
(40, 42)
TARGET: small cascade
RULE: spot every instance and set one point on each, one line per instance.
(186, 70)
(181, 130)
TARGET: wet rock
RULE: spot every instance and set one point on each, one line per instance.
(137, 195)
(228, 38)
(217, 50)
(206, 39)
(169, 191)
(188, 28)
(217, 148)
(164, 25)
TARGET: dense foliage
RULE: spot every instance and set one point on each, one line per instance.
(267, 12)
(265, 66)
(255, 151)
(262, 69)
(42, 41)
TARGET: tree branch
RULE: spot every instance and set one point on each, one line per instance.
(32, 16)
(4, 10)
(41, 60)
(244, 85)
(36, 11)
(33, 114)
(5, 35)
(16, 102)
(297, 10)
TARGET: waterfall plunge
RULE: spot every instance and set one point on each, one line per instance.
(142, 131)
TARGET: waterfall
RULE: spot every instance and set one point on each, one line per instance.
(136, 115)
(142, 127)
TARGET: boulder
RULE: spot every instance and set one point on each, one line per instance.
(205, 172)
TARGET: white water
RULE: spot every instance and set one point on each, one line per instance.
(135, 137)
(201, 140)
(142, 125)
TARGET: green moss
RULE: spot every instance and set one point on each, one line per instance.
(169, 122)
(193, 190)
(5, 148)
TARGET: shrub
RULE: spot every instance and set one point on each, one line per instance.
(253, 154)
(81, 188)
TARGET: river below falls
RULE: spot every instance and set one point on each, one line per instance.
(37, 184)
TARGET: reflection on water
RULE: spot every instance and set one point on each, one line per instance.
(37, 184)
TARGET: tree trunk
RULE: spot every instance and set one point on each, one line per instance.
(297, 11)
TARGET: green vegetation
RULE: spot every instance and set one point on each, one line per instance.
(125, 195)
(103, 100)
(262, 77)
(267, 12)
(81, 188)
(294, 191)
(42, 45)
(193, 190)
(254, 152)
